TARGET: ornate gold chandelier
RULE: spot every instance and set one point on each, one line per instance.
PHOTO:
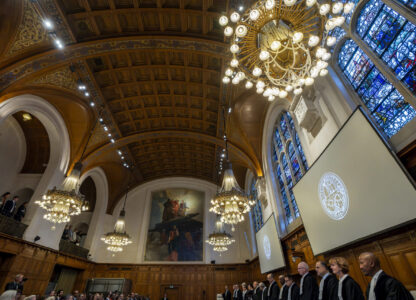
(118, 238)
(230, 202)
(281, 46)
(61, 204)
(219, 238)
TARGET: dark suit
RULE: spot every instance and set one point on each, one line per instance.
(257, 294)
(14, 286)
(389, 288)
(8, 208)
(330, 289)
(294, 292)
(264, 294)
(284, 289)
(351, 290)
(237, 295)
(227, 295)
(310, 290)
(247, 295)
(273, 293)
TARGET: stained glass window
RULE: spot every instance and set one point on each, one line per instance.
(409, 3)
(289, 163)
(391, 37)
(256, 210)
(385, 103)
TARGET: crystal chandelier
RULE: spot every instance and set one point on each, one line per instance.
(66, 201)
(219, 238)
(118, 238)
(281, 46)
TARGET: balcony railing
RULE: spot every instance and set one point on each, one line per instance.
(68, 247)
(12, 227)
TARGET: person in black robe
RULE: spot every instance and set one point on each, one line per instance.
(308, 287)
(273, 290)
(227, 294)
(20, 214)
(263, 289)
(292, 288)
(283, 288)
(328, 287)
(348, 288)
(237, 294)
(382, 286)
(16, 285)
(257, 291)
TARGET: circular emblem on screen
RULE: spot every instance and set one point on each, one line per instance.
(266, 247)
(333, 195)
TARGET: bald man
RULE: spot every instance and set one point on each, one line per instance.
(382, 286)
(308, 287)
(273, 289)
(283, 288)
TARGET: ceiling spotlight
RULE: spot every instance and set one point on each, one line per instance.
(109, 135)
(48, 24)
(105, 128)
(86, 94)
(92, 104)
(82, 87)
(101, 120)
(122, 157)
(112, 141)
(59, 44)
(119, 152)
(229, 110)
(241, 8)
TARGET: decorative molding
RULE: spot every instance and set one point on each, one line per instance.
(98, 138)
(306, 113)
(90, 49)
(30, 31)
(261, 191)
(61, 77)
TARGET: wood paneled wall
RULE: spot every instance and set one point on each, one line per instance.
(396, 249)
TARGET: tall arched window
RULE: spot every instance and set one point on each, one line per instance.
(289, 163)
(392, 38)
(256, 211)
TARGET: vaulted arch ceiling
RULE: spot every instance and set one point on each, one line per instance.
(155, 66)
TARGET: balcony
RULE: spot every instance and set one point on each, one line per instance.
(68, 247)
(12, 227)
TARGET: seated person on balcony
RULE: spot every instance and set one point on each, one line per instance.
(10, 206)
(17, 284)
(67, 232)
(21, 212)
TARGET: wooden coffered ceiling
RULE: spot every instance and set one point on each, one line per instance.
(156, 68)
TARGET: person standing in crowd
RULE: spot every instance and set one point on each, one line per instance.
(256, 291)
(165, 297)
(76, 295)
(273, 290)
(227, 294)
(3, 199)
(292, 288)
(17, 284)
(51, 296)
(263, 289)
(382, 286)
(21, 212)
(244, 291)
(10, 206)
(283, 288)
(328, 287)
(237, 294)
(60, 295)
(308, 287)
(348, 288)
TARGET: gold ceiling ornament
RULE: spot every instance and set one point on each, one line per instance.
(118, 238)
(281, 46)
(219, 238)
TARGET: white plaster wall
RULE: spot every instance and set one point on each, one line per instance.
(137, 219)
(12, 153)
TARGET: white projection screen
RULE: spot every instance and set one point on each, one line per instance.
(269, 247)
(355, 189)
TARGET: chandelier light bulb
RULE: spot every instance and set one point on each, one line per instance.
(314, 72)
(268, 92)
(241, 31)
(289, 2)
(269, 4)
(297, 91)
(241, 75)
(260, 84)
(226, 80)
(321, 64)
(337, 7)
(271, 98)
(228, 31)
(301, 81)
(275, 45)
(254, 15)
(339, 20)
(331, 40)
(320, 51)
(234, 63)
(310, 3)
(326, 56)
(223, 20)
(348, 7)
(264, 55)
(324, 9)
(235, 17)
(259, 91)
(297, 37)
(234, 48)
(289, 88)
(282, 94)
(309, 81)
(236, 80)
(275, 91)
(257, 71)
(313, 41)
(229, 72)
(323, 72)
(249, 85)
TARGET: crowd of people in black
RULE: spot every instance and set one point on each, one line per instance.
(74, 236)
(335, 285)
(8, 207)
